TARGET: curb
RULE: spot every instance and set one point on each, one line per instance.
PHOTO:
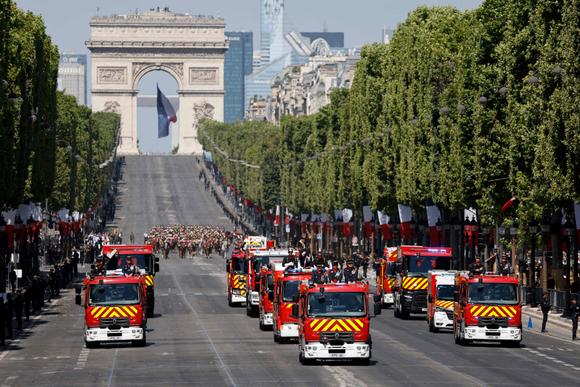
(553, 319)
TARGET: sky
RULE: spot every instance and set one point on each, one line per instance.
(67, 21)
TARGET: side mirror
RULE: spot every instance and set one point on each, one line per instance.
(227, 267)
(156, 267)
(92, 267)
(295, 311)
(430, 299)
(156, 259)
(456, 295)
(377, 298)
(77, 290)
(377, 309)
(78, 299)
(271, 296)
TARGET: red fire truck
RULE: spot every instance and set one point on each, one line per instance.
(115, 308)
(487, 307)
(386, 277)
(143, 258)
(413, 263)
(334, 322)
(257, 260)
(440, 297)
(266, 296)
(286, 289)
(237, 270)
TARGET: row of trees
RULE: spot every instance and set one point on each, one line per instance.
(461, 108)
(50, 147)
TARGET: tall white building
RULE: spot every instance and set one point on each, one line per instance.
(72, 76)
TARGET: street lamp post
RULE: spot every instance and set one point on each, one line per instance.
(567, 231)
(533, 230)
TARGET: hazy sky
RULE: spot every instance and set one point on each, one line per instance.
(67, 22)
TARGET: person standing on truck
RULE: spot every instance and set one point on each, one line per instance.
(319, 275)
(477, 267)
(505, 268)
(129, 269)
(335, 275)
(351, 272)
(545, 306)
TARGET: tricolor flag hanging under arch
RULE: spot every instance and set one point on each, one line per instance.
(165, 114)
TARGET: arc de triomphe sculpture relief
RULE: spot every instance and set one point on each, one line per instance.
(191, 48)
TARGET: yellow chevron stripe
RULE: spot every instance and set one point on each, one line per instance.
(501, 312)
(513, 309)
(288, 306)
(345, 326)
(320, 325)
(353, 325)
(107, 311)
(114, 314)
(328, 325)
(128, 311)
(95, 310)
(337, 328)
(313, 322)
(100, 312)
(359, 322)
(134, 309)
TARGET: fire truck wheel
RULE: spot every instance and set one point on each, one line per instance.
(431, 327)
(303, 360)
(363, 362)
(91, 344)
(276, 338)
(262, 328)
(230, 303)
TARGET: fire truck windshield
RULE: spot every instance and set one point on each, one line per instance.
(240, 266)
(114, 294)
(336, 305)
(290, 291)
(421, 264)
(446, 292)
(490, 293)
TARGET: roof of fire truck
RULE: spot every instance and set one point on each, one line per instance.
(336, 287)
(112, 277)
(128, 249)
(491, 278)
(430, 251)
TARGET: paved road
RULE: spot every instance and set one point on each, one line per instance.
(197, 339)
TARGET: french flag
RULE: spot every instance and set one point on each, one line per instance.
(405, 216)
(384, 220)
(510, 203)
(433, 217)
(277, 218)
(165, 114)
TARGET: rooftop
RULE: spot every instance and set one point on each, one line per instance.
(158, 16)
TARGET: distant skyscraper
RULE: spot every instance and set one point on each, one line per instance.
(72, 76)
(238, 63)
(272, 31)
(334, 39)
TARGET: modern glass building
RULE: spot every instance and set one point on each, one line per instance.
(237, 65)
(272, 31)
(334, 39)
(72, 76)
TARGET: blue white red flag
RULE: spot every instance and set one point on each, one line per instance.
(165, 114)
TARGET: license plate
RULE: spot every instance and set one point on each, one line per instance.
(336, 354)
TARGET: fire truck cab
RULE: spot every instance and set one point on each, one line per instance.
(259, 259)
(487, 308)
(386, 276)
(142, 257)
(115, 308)
(413, 264)
(334, 322)
(237, 270)
(285, 294)
(440, 299)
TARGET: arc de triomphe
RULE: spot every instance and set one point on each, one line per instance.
(191, 48)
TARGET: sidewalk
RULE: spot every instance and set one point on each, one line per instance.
(557, 326)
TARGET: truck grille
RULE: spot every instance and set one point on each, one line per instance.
(493, 322)
(114, 323)
(337, 338)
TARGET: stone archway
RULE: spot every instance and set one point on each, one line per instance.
(191, 48)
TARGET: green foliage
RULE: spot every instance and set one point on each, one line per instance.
(449, 111)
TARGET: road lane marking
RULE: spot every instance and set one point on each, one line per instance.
(202, 325)
(552, 359)
(82, 359)
(112, 373)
